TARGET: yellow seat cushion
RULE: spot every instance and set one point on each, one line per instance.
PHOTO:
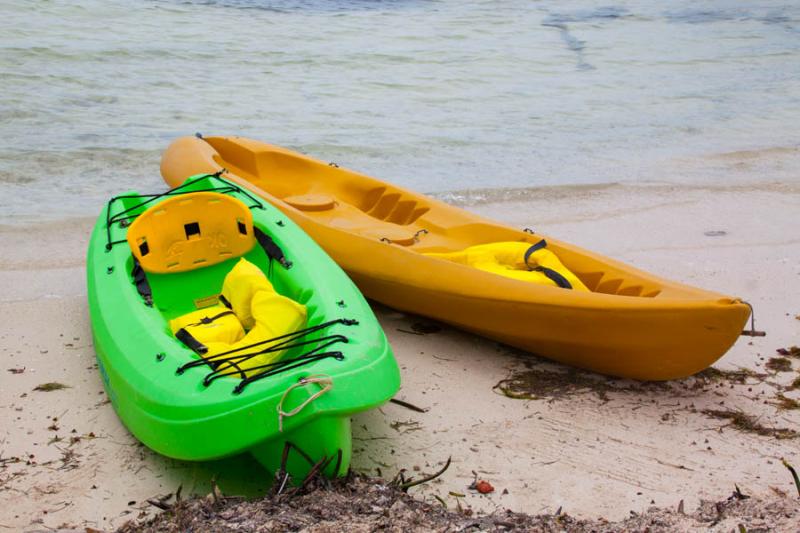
(517, 260)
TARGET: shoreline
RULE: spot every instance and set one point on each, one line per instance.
(716, 171)
(595, 454)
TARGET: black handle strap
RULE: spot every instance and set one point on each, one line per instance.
(142, 285)
(193, 344)
(557, 278)
(535, 248)
(551, 274)
(272, 250)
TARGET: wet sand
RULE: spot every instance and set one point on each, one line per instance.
(596, 448)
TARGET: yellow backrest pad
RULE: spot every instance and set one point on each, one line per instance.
(191, 231)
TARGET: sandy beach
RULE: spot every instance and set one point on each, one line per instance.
(594, 447)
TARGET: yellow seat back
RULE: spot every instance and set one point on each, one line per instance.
(191, 231)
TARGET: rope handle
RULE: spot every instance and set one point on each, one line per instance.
(316, 378)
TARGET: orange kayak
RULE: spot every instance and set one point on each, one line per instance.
(629, 323)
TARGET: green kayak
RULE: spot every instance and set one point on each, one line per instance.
(294, 349)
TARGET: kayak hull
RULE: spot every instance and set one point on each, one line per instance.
(632, 324)
(176, 415)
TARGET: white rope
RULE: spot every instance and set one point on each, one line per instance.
(316, 378)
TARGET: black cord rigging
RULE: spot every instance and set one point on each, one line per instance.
(228, 363)
(125, 216)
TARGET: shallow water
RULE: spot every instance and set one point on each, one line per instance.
(448, 95)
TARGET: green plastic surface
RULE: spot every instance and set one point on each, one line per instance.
(176, 415)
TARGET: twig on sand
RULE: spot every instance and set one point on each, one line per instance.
(794, 474)
(160, 502)
(413, 483)
(409, 405)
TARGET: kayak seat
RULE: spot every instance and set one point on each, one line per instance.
(344, 215)
(234, 335)
(191, 231)
(522, 261)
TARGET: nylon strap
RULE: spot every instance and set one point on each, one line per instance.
(535, 248)
(142, 285)
(272, 250)
(210, 319)
(559, 280)
(192, 343)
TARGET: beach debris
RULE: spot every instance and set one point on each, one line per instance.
(484, 487)
(405, 426)
(69, 459)
(794, 474)
(534, 383)
(738, 494)
(372, 505)
(715, 233)
(8, 460)
(51, 386)
(795, 384)
(480, 485)
(787, 404)
(748, 423)
(779, 364)
(17, 370)
(791, 351)
(403, 484)
(425, 328)
(740, 375)
(408, 405)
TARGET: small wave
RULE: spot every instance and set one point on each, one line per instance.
(288, 6)
(473, 197)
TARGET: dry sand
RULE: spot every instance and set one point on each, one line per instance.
(595, 448)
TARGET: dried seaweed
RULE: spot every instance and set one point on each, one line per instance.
(740, 375)
(359, 503)
(51, 386)
(791, 351)
(536, 383)
(779, 364)
(787, 404)
(748, 423)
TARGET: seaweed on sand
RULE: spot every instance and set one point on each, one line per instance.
(359, 503)
(536, 383)
(779, 364)
(787, 404)
(51, 386)
(750, 424)
(740, 375)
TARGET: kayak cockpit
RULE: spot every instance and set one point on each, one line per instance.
(221, 285)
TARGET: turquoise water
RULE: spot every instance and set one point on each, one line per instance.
(440, 96)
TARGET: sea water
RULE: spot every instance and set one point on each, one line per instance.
(443, 96)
